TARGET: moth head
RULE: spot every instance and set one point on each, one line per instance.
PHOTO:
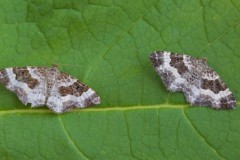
(53, 70)
(201, 61)
(204, 60)
(54, 65)
(156, 58)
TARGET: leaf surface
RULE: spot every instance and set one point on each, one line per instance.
(106, 45)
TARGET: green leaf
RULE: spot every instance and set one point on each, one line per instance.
(106, 45)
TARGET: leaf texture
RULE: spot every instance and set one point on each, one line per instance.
(106, 45)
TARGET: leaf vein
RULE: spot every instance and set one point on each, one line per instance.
(71, 140)
(220, 36)
(128, 134)
(30, 110)
(100, 109)
(201, 135)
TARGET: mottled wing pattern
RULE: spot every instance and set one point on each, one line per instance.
(214, 91)
(68, 93)
(201, 85)
(165, 67)
(27, 82)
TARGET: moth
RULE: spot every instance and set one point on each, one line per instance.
(200, 84)
(40, 86)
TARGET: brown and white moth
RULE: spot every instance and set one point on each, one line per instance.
(41, 86)
(200, 84)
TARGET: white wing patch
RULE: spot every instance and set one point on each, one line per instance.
(41, 86)
(200, 84)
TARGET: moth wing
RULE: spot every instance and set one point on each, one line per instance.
(214, 92)
(68, 92)
(170, 76)
(200, 84)
(28, 83)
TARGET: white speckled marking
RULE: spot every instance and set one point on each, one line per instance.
(201, 85)
(46, 90)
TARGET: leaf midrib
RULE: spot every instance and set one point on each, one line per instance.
(98, 109)
(95, 109)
